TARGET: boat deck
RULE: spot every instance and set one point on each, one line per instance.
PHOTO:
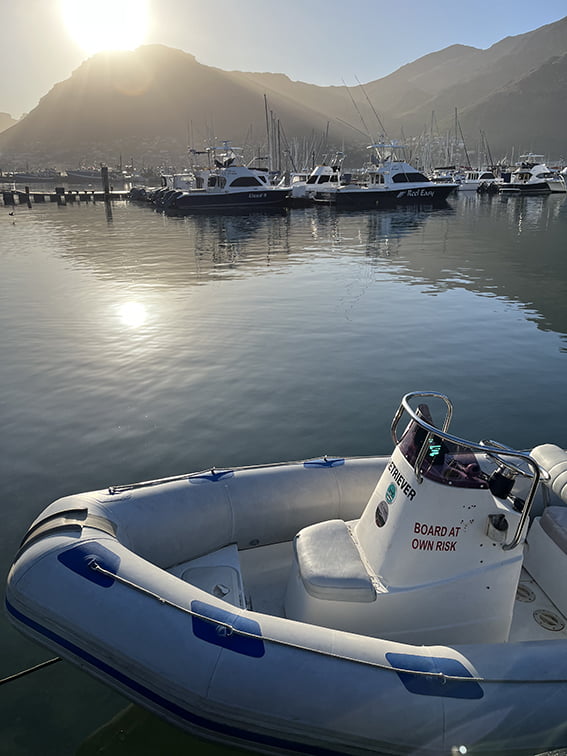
(265, 573)
(535, 616)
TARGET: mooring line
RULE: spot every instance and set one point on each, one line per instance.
(23, 672)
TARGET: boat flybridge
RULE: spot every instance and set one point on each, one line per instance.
(408, 603)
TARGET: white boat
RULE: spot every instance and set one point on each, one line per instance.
(91, 176)
(226, 184)
(305, 185)
(46, 176)
(445, 173)
(385, 182)
(472, 181)
(178, 181)
(532, 176)
(400, 604)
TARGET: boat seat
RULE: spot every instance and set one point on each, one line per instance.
(330, 565)
(553, 460)
(554, 523)
(546, 555)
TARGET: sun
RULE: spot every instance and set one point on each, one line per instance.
(106, 24)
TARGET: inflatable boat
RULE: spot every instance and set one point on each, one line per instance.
(404, 604)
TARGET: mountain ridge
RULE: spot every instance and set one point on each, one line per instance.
(154, 102)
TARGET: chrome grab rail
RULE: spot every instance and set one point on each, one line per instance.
(494, 450)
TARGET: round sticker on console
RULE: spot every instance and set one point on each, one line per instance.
(381, 514)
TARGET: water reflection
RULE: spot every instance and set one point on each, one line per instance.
(143, 247)
(386, 231)
(133, 314)
(536, 213)
(227, 240)
(370, 228)
(464, 245)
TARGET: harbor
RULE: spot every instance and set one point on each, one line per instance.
(228, 183)
(283, 350)
(136, 348)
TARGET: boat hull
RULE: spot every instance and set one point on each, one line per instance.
(367, 198)
(201, 200)
(541, 187)
(32, 178)
(93, 582)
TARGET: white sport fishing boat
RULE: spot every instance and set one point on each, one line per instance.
(532, 176)
(401, 604)
(304, 186)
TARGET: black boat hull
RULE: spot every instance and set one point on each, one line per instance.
(197, 200)
(541, 187)
(377, 198)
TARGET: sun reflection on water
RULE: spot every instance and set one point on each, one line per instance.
(133, 314)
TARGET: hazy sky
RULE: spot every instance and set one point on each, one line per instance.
(318, 41)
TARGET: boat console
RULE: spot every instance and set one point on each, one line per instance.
(436, 555)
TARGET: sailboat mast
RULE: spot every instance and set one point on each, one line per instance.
(268, 133)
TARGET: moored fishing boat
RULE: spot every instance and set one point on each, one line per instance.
(412, 602)
(532, 176)
(473, 180)
(387, 181)
(226, 184)
(304, 186)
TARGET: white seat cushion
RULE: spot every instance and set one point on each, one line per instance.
(554, 522)
(554, 461)
(330, 565)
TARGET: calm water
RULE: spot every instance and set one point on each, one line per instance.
(137, 346)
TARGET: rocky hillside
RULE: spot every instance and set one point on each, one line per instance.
(151, 104)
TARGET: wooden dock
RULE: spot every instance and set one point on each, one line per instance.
(61, 196)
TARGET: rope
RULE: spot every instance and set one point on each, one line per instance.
(230, 629)
(37, 667)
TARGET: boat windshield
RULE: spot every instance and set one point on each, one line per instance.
(246, 181)
(216, 182)
(401, 178)
(445, 462)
